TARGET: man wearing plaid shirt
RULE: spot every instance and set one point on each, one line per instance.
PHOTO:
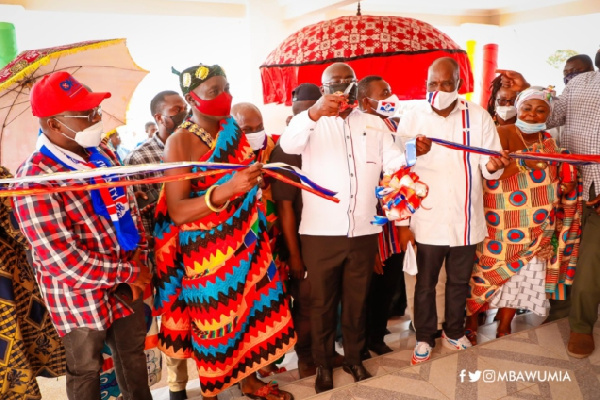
(169, 110)
(86, 248)
(577, 109)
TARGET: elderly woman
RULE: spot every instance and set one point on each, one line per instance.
(533, 219)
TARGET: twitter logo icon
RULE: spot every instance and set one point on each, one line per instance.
(474, 376)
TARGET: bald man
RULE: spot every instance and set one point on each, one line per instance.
(451, 223)
(338, 242)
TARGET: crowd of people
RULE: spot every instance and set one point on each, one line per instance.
(242, 267)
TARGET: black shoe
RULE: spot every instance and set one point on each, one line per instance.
(324, 380)
(358, 372)
(364, 354)
(380, 348)
(181, 395)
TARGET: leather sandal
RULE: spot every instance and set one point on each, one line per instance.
(269, 389)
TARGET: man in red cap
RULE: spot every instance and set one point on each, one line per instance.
(87, 247)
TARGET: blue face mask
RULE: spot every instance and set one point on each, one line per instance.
(526, 127)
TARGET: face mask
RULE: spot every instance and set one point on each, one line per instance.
(526, 127)
(177, 120)
(89, 137)
(341, 87)
(441, 100)
(220, 106)
(570, 76)
(506, 112)
(387, 107)
(256, 139)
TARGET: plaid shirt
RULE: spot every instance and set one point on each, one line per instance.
(149, 152)
(578, 109)
(76, 256)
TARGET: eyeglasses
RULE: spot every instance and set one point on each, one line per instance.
(505, 102)
(337, 82)
(95, 113)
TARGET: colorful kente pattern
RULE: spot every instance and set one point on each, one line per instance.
(218, 290)
(29, 343)
(524, 215)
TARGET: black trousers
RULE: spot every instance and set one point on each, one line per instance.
(300, 291)
(459, 266)
(382, 290)
(126, 338)
(339, 268)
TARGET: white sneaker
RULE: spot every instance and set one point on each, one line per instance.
(456, 344)
(421, 353)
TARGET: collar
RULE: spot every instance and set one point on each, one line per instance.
(43, 140)
(158, 141)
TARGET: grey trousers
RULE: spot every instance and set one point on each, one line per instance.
(126, 338)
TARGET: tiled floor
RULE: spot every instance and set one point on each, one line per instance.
(532, 348)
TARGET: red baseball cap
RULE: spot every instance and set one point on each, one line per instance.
(58, 92)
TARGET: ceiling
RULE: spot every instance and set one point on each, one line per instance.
(446, 12)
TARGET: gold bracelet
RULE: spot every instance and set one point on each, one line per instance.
(209, 204)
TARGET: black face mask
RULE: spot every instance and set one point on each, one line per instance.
(177, 119)
(597, 60)
(341, 87)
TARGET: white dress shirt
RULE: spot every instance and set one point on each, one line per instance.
(452, 213)
(342, 155)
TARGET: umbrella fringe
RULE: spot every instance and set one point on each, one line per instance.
(45, 60)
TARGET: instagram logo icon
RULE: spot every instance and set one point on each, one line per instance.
(489, 375)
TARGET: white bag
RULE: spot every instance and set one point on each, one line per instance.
(410, 260)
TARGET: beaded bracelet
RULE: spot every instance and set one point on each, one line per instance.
(209, 204)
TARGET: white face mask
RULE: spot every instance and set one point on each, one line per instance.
(256, 139)
(506, 112)
(89, 137)
(441, 100)
(387, 107)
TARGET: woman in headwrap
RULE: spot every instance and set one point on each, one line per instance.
(219, 291)
(533, 220)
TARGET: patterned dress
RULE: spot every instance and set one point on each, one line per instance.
(29, 343)
(219, 291)
(525, 218)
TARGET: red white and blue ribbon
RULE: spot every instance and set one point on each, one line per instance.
(83, 180)
(552, 158)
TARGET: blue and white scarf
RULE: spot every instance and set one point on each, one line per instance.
(111, 203)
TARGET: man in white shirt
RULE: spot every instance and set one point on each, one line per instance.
(450, 222)
(338, 242)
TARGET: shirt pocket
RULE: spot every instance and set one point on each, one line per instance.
(373, 149)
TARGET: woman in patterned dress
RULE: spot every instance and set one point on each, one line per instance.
(533, 219)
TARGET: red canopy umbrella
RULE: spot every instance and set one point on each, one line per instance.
(399, 49)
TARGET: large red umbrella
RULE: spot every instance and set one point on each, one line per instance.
(399, 49)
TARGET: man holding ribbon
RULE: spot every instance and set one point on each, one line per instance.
(450, 222)
(338, 242)
(219, 291)
(88, 253)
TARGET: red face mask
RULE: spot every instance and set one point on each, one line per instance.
(220, 106)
